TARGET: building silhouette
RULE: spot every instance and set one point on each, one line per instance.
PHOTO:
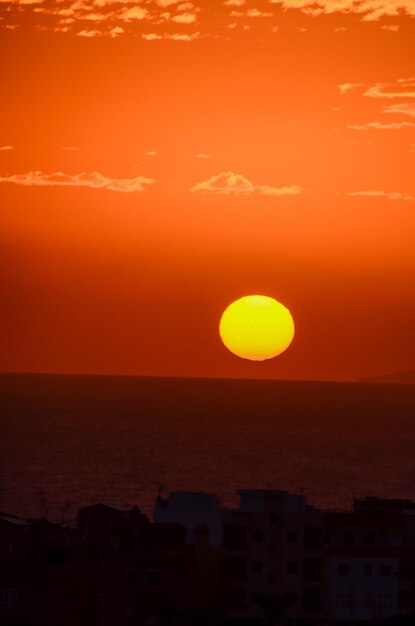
(274, 559)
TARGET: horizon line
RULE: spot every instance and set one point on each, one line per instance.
(370, 380)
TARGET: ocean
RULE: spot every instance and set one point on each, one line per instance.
(68, 441)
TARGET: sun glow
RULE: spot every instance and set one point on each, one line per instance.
(256, 328)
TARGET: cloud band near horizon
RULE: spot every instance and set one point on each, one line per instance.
(93, 180)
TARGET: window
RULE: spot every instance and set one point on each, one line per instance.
(271, 578)
(385, 600)
(153, 578)
(129, 611)
(292, 536)
(343, 569)
(235, 537)
(9, 596)
(385, 569)
(344, 600)
(368, 569)
(237, 598)
(369, 538)
(312, 600)
(273, 518)
(348, 538)
(129, 576)
(272, 547)
(368, 601)
(256, 567)
(236, 567)
(292, 567)
(257, 536)
(313, 538)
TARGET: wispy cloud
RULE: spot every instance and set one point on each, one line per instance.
(6, 148)
(110, 15)
(258, 13)
(407, 108)
(402, 88)
(94, 180)
(231, 183)
(184, 18)
(202, 155)
(171, 36)
(376, 193)
(370, 10)
(166, 3)
(22, 2)
(381, 126)
(70, 148)
(134, 13)
(89, 33)
(346, 87)
(116, 31)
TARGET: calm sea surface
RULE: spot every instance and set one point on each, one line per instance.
(67, 441)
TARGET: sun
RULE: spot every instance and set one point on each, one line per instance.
(256, 328)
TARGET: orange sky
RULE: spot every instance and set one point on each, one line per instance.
(159, 159)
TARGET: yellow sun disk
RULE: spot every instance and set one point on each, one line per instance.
(256, 328)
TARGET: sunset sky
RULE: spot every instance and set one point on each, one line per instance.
(160, 159)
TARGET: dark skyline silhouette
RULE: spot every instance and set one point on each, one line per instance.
(271, 560)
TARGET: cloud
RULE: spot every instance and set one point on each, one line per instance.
(376, 193)
(183, 37)
(346, 87)
(6, 148)
(151, 153)
(18, 2)
(231, 183)
(135, 13)
(166, 3)
(257, 13)
(152, 36)
(116, 31)
(170, 36)
(402, 88)
(292, 190)
(103, 3)
(390, 27)
(370, 10)
(89, 33)
(184, 18)
(117, 13)
(381, 126)
(186, 6)
(225, 183)
(403, 108)
(94, 180)
(70, 148)
(95, 17)
(202, 155)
